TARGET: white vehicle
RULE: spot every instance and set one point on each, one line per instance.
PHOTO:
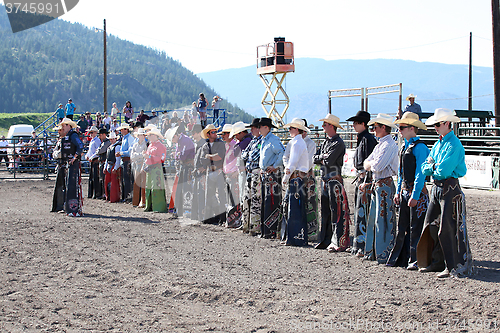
(15, 135)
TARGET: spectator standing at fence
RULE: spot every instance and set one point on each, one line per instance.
(60, 112)
(334, 235)
(71, 151)
(202, 109)
(362, 191)
(137, 162)
(114, 126)
(412, 106)
(82, 124)
(128, 111)
(411, 194)
(271, 168)
(444, 243)
(114, 111)
(216, 106)
(142, 117)
(112, 169)
(99, 121)
(252, 197)
(3, 151)
(70, 109)
(88, 118)
(383, 163)
(155, 155)
(106, 121)
(91, 156)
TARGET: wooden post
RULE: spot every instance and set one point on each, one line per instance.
(495, 10)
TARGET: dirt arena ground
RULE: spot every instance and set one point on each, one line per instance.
(119, 269)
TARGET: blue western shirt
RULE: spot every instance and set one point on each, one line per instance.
(127, 143)
(271, 152)
(449, 159)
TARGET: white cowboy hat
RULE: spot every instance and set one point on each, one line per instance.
(238, 127)
(57, 128)
(298, 123)
(156, 132)
(124, 126)
(442, 114)
(149, 127)
(384, 119)
(331, 119)
(208, 128)
(169, 135)
(411, 118)
(140, 131)
(410, 96)
(68, 121)
(112, 135)
(93, 129)
(226, 129)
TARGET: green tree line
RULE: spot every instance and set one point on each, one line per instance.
(44, 66)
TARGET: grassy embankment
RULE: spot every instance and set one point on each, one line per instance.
(8, 119)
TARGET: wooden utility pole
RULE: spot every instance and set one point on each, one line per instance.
(495, 10)
(105, 92)
(470, 73)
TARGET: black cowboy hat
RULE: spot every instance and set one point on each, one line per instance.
(266, 122)
(361, 116)
(255, 123)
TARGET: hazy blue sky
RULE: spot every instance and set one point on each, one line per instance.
(212, 35)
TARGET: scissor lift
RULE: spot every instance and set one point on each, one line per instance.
(274, 61)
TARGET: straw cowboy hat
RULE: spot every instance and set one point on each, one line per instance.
(442, 114)
(297, 123)
(411, 118)
(140, 131)
(124, 126)
(208, 128)
(226, 129)
(57, 128)
(112, 135)
(238, 127)
(331, 119)
(361, 116)
(169, 135)
(68, 121)
(155, 131)
(411, 96)
(93, 129)
(384, 119)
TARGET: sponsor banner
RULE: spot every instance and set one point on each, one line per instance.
(479, 172)
(348, 169)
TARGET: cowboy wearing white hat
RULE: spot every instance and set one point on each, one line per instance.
(231, 174)
(295, 160)
(330, 157)
(126, 176)
(137, 161)
(412, 107)
(411, 194)
(383, 163)
(94, 190)
(155, 155)
(445, 247)
(112, 169)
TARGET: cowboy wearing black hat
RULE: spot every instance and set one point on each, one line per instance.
(271, 164)
(365, 144)
(101, 152)
(253, 188)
